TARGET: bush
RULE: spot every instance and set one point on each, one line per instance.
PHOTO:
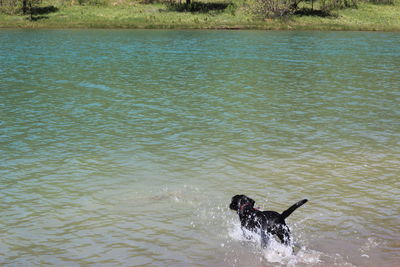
(10, 7)
(328, 5)
(14, 7)
(273, 8)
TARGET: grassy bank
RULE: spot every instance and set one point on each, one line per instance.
(220, 15)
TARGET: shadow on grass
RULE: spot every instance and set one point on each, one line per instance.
(37, 13)
(197, 7)
(312, 12)
(43, 10)
(36, 18)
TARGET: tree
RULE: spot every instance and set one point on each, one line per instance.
(24, 6)
(29, 7)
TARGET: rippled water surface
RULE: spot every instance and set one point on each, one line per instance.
(125, 147)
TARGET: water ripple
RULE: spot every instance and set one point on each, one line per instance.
(125, 147)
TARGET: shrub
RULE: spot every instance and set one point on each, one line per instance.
(273, 8)
(328, 5)
(10, 7)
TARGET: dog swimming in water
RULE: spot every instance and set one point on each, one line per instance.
(263, 222)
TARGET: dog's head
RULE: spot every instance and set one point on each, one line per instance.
(240, 200)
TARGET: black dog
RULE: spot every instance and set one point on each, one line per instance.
(263, 222)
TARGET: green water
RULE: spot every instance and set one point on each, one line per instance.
(125, 147)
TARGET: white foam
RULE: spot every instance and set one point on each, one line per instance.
(276, 252)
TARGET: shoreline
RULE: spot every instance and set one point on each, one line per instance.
(222, 28)
(367, 17)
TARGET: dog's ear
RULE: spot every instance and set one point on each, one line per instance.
(235, 202)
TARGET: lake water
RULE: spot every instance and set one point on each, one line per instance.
(124, 147)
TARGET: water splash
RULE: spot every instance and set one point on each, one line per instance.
(276, 252)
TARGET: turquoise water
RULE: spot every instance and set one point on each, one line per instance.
(125, 147)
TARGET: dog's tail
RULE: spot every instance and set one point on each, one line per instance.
(289, 211)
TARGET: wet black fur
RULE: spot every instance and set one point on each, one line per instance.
(263, 222)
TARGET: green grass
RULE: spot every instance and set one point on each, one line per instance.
(367, 17)
(128, 14)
